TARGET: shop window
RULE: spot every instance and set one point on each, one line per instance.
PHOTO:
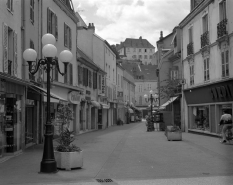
(200, 118)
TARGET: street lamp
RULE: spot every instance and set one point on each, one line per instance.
(151, 99)
(48, 163)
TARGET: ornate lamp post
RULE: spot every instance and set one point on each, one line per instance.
(48, 163)
(151, 99)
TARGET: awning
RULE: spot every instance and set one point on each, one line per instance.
(130, 110)
(168, 102)
(104, 106)
(53, 97)
(95, 104)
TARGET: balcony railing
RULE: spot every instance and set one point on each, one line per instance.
(190, 48)
(222, 28)
(205, 39)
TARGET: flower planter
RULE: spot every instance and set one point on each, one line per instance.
(174, 136)
(69, 160)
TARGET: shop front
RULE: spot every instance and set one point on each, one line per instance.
(12, 115)
(205, 106)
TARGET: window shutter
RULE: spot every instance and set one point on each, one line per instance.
(86, 77)
(71, 74)
(81, 75)
(5, 48)
(70, 40)
(56, 28)
(90, 78)
(65, 35)
(15, 62)
(48, 21)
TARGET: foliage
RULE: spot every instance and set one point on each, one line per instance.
(66, 137)
(175, 129)
(170, 88)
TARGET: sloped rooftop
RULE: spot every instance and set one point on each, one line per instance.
(148, 71)
(135, 43)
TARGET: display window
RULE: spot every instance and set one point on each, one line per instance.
(200, 118)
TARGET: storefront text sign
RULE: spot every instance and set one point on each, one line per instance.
(74, 97)
(223, 91)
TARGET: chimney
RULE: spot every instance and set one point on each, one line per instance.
(140, 37)
(161, 35)
(91, 26)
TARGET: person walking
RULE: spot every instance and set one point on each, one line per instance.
(226, 121)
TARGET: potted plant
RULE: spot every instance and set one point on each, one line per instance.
(173, 133)
(67, 155)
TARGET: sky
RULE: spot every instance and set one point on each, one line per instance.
(116, 20)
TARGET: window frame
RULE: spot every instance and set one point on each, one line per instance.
(206, 69)
(9, 4)
(32, 8)
(67, 36)
(225, 63)
(191, 70)
(222, 10)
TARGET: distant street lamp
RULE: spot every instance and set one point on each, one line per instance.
(48, 163)
(151, 99)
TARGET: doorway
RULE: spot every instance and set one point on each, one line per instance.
(29, 126)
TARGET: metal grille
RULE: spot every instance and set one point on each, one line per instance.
(104, 180)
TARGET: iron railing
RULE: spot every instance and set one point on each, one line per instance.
(205, 39)
(222, 28)
(190, 48)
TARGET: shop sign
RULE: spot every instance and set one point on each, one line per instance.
(227, 106)
(224, 91)
(74, 97)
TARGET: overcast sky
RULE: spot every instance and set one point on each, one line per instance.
(116, 20)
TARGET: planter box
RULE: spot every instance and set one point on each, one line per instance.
(69, 160)
(174, 136)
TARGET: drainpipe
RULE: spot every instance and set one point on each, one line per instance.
(23, 70)
(182, 90)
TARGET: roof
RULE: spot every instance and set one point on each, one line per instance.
(135, 43)
(82, 57)
(148, 71)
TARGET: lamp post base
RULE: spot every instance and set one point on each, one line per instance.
(48, 167)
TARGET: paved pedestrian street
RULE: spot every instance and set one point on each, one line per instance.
(129, 155)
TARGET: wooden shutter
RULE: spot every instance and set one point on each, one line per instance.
(84, 76)
(15, 62)
(90, 78)
(65, 35)
(5, 48)
(87, 74)
(81, 75)
(56, 28)
(70, 40)
(49, 21)
(71, 74)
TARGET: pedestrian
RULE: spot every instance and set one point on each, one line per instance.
(226, 121)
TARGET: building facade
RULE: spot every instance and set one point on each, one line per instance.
(136, 49)
(207, 55)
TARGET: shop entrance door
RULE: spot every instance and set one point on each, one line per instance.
(29, 137)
